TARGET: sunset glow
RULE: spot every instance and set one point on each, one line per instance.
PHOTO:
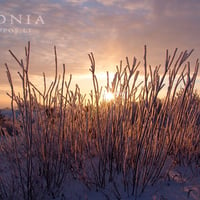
(111, 30)
(109, 96)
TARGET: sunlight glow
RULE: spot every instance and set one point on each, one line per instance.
(109, 96)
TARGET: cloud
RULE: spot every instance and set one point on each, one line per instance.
(82, 26)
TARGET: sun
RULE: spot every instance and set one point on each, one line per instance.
(109, 96)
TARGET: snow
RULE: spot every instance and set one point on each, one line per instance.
(180, 184)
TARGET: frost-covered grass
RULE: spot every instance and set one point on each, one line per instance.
(125, 148)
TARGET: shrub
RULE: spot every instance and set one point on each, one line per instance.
(97, 142)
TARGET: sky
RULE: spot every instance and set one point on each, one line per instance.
(111, 29)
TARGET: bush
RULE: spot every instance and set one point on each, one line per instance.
(130, 138)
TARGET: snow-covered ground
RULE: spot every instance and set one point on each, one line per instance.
(181, 183)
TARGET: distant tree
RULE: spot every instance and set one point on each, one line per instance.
(2, 118)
